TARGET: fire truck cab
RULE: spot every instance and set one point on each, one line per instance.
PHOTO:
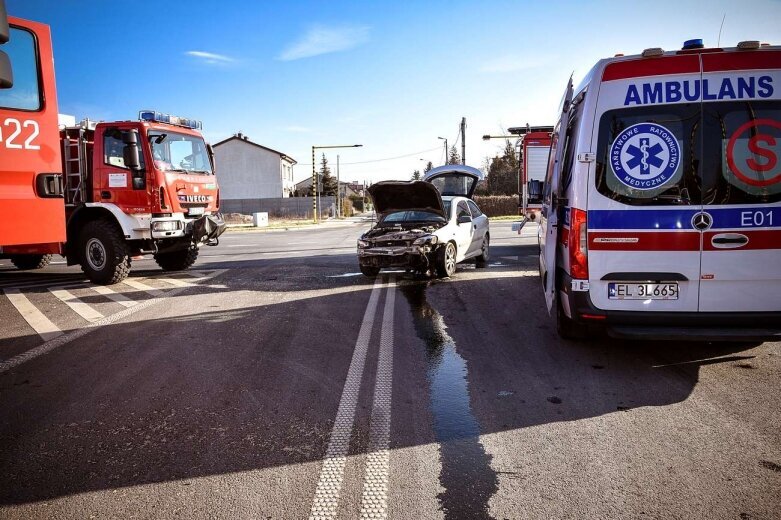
(661, 211)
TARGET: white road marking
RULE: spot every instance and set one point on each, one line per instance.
(374, 501)
(35, 318)
(108, 293)
(76, 305)
(326, 500)
(135, 283)
(176, 282)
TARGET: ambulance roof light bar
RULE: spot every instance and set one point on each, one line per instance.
(159, 117)
(652, 51)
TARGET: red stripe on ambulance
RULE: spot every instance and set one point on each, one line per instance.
(652, 67)
(645, 241)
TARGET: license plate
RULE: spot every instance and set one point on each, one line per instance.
(196, 211)
(642, 291)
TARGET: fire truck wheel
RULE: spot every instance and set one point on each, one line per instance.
(104, 253)
(567, 328)
(370, 270)
(482, 259)
(446, 260)
(178, 260)
(26, 262)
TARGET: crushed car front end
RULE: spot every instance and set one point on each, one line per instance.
(395, 246)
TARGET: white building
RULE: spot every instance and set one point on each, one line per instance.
(247, 170)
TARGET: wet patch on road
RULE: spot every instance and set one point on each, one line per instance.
(466, 475)
(772, 466)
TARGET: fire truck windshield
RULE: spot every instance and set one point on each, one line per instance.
(172, 151)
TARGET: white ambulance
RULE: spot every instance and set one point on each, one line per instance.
(661, 212)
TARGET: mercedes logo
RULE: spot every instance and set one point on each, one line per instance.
(702, 221)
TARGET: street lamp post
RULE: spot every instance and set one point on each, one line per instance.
(446, 148)
(314, 175)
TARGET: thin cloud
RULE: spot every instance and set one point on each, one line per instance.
(510, 63)
(210, 58)
(324, 40)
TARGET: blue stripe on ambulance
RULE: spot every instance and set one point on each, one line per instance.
(745, 217)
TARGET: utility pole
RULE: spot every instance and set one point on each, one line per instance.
(338, 190)
(314, 187)
(463, 140)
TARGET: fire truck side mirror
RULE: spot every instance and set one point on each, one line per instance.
(130, 151)
(6, 74)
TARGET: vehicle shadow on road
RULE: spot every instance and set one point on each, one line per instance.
(249, 375)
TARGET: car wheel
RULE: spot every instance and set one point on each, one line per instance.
(446, 260)
(26, 262)
(482, 259)
(370, 271)
(104, 253)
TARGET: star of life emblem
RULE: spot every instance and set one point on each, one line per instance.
(645, 156)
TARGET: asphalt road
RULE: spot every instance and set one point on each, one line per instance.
(274, 381)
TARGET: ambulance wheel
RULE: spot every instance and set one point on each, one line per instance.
(446, 260)
(27, 262)
(105, 258)
(177, 260)
(482, 260)
(568, 328)
(370, 271)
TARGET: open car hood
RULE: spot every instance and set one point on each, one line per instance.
(390, 196)
(455, 179)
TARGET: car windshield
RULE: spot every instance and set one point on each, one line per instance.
(172, 151)
(411, 216)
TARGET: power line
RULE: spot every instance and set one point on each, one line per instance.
(381, 160)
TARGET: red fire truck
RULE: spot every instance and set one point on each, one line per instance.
(98, 194)
(535, 145)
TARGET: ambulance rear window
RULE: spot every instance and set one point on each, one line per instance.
(647, 156)
(742, 157)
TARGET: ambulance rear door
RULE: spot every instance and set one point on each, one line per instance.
(643, 250)
(741, 183)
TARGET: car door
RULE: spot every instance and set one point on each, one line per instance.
(479, 226)
(549, 221)
(464, 231)
(741, 181)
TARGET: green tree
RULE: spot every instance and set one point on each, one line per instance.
(328, 184)
(416, 175)
(428, 168)
(453, 156)
(503, 172)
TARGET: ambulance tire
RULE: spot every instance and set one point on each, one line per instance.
(178, 260)
(28, 262)
(370, 271)
(104, 254)
(568, 328)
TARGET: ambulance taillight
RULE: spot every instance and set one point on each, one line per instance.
(578, 244)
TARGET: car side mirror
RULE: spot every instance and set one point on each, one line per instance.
(464, 219)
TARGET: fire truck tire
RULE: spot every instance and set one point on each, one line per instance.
(567, 328)
(27, 262)
(370, 270)
(105, 258)
(446, 260)
(482, 259)
(178, 260)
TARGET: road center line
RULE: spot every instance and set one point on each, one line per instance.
(374, 501)
(326, 500)
(35, 318)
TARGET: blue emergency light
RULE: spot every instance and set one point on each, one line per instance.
(693, 44)
(159, 117)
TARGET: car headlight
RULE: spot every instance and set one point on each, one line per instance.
(363, 243)
(166, 225)
(428, 239)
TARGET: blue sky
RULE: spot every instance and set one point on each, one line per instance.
(392, 76)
